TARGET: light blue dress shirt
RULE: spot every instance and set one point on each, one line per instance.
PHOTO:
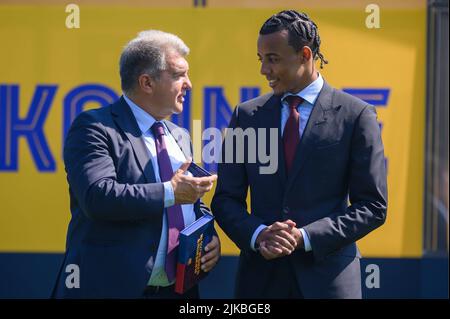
(145, 121)
(309, 95)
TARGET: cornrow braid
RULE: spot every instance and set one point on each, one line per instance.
(301, 30)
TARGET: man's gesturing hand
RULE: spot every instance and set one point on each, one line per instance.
(188, 189)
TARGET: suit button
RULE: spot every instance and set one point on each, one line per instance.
(286, 210)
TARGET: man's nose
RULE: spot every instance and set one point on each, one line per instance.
(264, 69)
(187, 83)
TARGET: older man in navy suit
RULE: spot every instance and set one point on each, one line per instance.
(330, 187)
(130, 195)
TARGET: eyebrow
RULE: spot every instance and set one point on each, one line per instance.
(268, 54)
(179, 69)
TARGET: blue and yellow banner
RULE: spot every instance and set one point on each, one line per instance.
(49, 73)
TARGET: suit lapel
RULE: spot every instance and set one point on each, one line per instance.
(125, 119)
(270, 117)
(182, 138)
(317, 120)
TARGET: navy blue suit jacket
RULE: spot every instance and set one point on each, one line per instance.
(116, 204)
(336, 191)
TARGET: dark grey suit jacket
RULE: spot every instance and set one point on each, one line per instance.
(336, 191)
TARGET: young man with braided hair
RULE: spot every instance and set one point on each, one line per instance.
(330, 187)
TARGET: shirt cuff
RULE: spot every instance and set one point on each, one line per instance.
(306, 241)
(255, 235)
(169, 195)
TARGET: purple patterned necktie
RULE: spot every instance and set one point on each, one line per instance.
(174, 213)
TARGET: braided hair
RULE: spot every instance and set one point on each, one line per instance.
(301, 31)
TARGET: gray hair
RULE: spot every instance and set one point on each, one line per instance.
(147, 54)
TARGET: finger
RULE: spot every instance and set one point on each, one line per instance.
(279, 226)
(183, 168)
(283, 242)
(203, 189)
(207, 180)
(210, 259)
(275, 251)
(274, 248)
(273, 235)
(212, 244)
(196, 182)
(290, 222)
(267, 254)
(279, 249)
(212, 249)
(209, 256)
(287, 236)
(209, 264)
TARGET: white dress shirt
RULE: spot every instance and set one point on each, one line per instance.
(177, 158)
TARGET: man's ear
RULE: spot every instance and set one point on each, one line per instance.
(306, 54)
(146, 83)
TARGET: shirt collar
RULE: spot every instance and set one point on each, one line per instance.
(143, 119)
(311, 92)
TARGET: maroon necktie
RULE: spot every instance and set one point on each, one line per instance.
(291, 133)
(174, 213)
